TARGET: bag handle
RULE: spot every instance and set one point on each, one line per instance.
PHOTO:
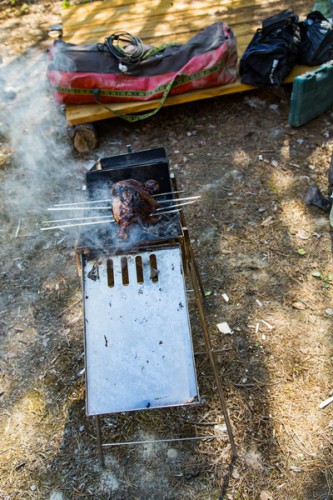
(287, 16)
(135, 118)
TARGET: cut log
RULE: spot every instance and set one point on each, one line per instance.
(84, 137)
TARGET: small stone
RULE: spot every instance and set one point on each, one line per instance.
(302, 235)
(56, 495)
(235, 474)
(253, 459)
(220, 429)
(172, 453)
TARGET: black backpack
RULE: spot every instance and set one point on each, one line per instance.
(316, 40)
(272, 52)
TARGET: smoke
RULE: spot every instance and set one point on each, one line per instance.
(36, 133)
(43, 168)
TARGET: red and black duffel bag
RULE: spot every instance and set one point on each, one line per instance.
(86, 74)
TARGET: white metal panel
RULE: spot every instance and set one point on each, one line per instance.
(138, 341)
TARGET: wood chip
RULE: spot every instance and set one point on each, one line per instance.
(269, 326)
(224, 328)
(267, 222)
(294, 468)
(299, 305)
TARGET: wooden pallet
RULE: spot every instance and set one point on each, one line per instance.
(161, 21)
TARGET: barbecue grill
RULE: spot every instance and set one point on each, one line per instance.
(138, 343)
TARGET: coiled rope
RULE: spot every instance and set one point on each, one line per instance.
(115, 44)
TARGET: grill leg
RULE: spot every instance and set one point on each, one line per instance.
(99, 441)
(196, 287)
(197, 273)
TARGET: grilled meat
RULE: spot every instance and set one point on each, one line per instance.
(132, 202)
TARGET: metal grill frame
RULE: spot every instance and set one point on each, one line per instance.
(191, 271)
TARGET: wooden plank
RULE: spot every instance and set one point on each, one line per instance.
(163, 21)
(105, 12)
(94, 22)
(127, 17)
(168, 28)
(78, 114)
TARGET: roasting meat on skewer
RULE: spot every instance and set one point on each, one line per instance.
(132, 202)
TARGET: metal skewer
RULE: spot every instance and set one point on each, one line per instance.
(52, 209)
(74, 225)
(167, 212)
(181, 199)
(81, 203)
(76, 218)
(109, 200)
(170, 192)
(57, 208)
(175, 206)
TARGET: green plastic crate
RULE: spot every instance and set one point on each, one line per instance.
(312, 95)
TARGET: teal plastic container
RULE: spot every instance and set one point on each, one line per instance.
(312, 95)
(325, 7)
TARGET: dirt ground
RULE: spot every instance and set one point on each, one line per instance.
(266, 263)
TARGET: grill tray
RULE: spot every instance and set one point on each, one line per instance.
(142, 166)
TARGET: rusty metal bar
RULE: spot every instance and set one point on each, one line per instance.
(211, 355)
(99, 441)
